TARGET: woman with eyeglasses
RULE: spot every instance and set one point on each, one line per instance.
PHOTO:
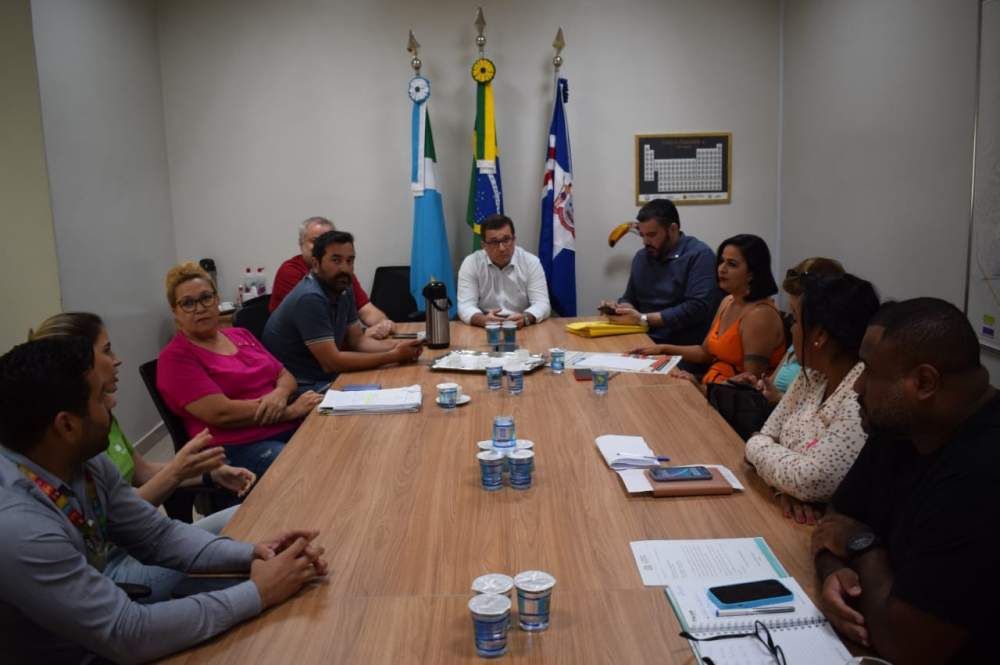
(813, 436)
(224, 379)
(747, 334)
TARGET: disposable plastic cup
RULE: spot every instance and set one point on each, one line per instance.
(600, 378)
(491, 463)
(534, 597)
(522, 464)
(490, 621)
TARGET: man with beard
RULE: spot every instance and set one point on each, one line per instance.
(672, 287)
(63, 505)
(907, 557)
(315, 331)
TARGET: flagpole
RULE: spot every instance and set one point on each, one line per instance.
(559, 43)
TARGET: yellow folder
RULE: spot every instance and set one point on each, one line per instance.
(602, 328)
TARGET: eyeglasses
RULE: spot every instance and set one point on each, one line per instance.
(760, 632)
(206, 300)
(499, 242)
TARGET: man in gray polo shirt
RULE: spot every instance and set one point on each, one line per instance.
(315, 332)
(63, 503)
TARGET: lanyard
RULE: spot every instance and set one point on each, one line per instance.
(95, 535)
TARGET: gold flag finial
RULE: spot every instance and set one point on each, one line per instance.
(413, 46)
(559, 43)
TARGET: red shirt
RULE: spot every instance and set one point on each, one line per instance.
(294, 271)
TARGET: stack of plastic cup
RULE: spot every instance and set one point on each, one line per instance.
(600, 377)
(490, 621)
(534, 595)
(494, 373)
(493, 335)
(557, 360)
(509, 329)
(521, 463)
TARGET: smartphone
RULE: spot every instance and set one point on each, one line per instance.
(405, 335)
(581, 374)
(672, 473)
(606, 309)
(749, 594)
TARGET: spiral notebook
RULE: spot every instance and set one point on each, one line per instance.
(804, 635)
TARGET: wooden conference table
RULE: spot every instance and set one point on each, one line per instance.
(407, 527)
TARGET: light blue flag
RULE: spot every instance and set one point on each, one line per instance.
(557, 239)
(429, 256)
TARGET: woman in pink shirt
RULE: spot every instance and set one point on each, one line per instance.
(224, 379)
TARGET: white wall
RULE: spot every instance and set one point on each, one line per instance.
(29, 272)
(278, 111)
(98, 69)
(878, 104)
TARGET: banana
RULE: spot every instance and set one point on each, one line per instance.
(621, 230)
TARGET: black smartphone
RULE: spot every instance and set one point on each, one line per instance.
(674, 473)
(606, 309)
(581, 374)
(404, 335)
(750, 594)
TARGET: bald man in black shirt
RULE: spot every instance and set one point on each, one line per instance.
(907, 556)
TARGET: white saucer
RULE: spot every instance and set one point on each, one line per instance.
(464, 399)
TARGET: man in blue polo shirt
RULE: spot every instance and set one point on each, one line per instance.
(672, 289)
(315, 331)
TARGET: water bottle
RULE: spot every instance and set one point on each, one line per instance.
(261, 281)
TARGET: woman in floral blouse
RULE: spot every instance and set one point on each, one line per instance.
(812, 438)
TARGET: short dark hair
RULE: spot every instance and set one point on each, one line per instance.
(39, 379)
(330, 238)
(930, 331)
(758, 258)
(495, 223)
(842, 305)
(662, 211)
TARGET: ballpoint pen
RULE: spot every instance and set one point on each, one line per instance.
(750, 611)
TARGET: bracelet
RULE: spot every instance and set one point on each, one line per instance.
(206, 479)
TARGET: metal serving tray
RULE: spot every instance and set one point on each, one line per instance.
(474, 362)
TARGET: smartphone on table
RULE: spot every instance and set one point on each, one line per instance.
(666, 474)
(749, 594)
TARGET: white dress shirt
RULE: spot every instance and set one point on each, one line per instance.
(519, 287)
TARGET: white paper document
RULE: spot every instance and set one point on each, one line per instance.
(626, 452)
(617, 362)
(391, 400)
(720, 561)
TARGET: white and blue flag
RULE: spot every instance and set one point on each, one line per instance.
(429, 257)
(557, 241)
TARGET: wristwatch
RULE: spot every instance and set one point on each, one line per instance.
(644, 320)
(860, 543)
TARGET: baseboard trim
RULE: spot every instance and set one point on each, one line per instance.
(146, 442)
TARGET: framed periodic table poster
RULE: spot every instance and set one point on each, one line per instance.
(685, 168)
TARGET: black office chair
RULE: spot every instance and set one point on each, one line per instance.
(391, 294)
(253, 315)
(180, 504)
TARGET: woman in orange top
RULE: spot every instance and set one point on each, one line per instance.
(747, 334)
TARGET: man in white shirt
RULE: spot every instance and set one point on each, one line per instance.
(501, 282)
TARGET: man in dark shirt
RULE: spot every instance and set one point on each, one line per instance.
(672, 288)
(315, 331)
(907, 558)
